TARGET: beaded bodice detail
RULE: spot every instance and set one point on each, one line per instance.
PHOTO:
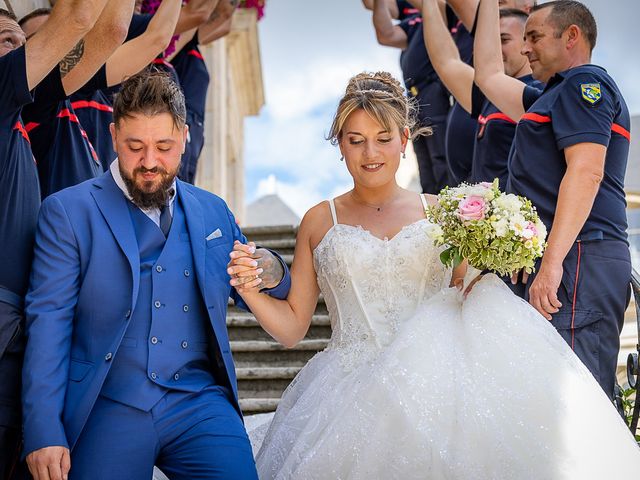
(372, 285)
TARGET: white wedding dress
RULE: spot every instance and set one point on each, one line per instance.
(418, 382)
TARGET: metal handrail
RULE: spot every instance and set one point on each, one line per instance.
(633, 370)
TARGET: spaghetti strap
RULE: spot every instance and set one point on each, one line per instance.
(333, 212)
(425, 204)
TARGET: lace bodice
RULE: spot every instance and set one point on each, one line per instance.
(371, 285)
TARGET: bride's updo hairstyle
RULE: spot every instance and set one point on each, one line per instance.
(383, 98)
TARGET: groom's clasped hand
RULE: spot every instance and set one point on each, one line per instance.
(252, 268)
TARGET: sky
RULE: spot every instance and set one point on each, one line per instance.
(310, 49)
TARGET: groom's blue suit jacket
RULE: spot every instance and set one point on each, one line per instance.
(84, 287)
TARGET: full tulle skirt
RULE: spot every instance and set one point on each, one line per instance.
(480, 388)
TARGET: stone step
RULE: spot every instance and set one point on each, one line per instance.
(247, 320)
(258, 405)
(280, 245)
(273, 346)
(273, 358)
(267, 373)
(243, 326)
(271, 232)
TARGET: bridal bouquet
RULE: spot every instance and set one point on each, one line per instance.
(491, 229)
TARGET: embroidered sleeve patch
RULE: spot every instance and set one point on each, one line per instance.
(591, 92)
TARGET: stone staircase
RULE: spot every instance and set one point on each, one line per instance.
(265, 368)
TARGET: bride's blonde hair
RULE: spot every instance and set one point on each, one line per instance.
(383, 98)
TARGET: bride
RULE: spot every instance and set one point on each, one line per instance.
(419, 380)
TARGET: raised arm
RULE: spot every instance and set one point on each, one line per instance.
(134, 55)
(195, 13)
(456, 75)
(502, 90)
(387, 33)
(392, 5)
(68, 23)
(218, 25)
(288, 320)
(466, 11)
(97, 46)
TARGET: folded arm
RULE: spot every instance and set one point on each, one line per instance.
(387, 33)
(97, 46)
(68, 23)
(134, 55)
(502, 90)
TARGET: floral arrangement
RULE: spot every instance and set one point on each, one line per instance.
(257, 4)
(491, 229)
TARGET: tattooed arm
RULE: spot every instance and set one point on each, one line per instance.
(84, 60)
(70, 20)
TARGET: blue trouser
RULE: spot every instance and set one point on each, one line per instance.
(186, 435)
(11, 356)
(595, 292)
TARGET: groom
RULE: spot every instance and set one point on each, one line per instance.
(128, 361)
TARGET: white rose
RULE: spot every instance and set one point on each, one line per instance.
(517, 223)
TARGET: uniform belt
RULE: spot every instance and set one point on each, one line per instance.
(593, 235)
(7, 296)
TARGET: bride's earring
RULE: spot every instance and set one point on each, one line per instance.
(342, 158)
(404, 155)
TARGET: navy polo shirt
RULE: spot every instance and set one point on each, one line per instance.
(93, 107)
(19, 190)
(138, 25)
(494, 136)
(194, 77)
(460, 135)
(60, 145)
(580, 105)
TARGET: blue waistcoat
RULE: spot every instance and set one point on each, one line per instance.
(165, 345)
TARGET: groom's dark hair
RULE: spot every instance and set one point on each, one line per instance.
(150, 93)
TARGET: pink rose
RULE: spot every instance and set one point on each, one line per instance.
(471, 208)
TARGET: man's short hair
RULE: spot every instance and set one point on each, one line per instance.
(514, 13)
(38, 12)
(8, 14)
(565, 13)
(150, 93)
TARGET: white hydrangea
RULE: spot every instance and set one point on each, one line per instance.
(508, 202)
(501, 227)
(436, 234)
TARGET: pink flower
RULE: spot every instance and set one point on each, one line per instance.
(530, 230)
(471, 208)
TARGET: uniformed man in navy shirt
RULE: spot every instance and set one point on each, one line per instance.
(569, 157)
(22, 67)
(494, 130)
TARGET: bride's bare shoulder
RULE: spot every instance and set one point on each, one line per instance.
(316, 223)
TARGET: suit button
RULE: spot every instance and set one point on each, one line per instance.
(157, 304)
(108, 356)
(154, 375)
(159, 268)
(187, 273)
(185, 308)
(154, 340)
(176, 376)
(128, 314)
(184, 344)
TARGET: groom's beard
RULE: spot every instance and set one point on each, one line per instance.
(149, 194)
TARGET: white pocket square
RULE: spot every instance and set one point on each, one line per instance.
(215, 234)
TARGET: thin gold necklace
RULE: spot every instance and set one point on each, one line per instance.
(377, 207)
